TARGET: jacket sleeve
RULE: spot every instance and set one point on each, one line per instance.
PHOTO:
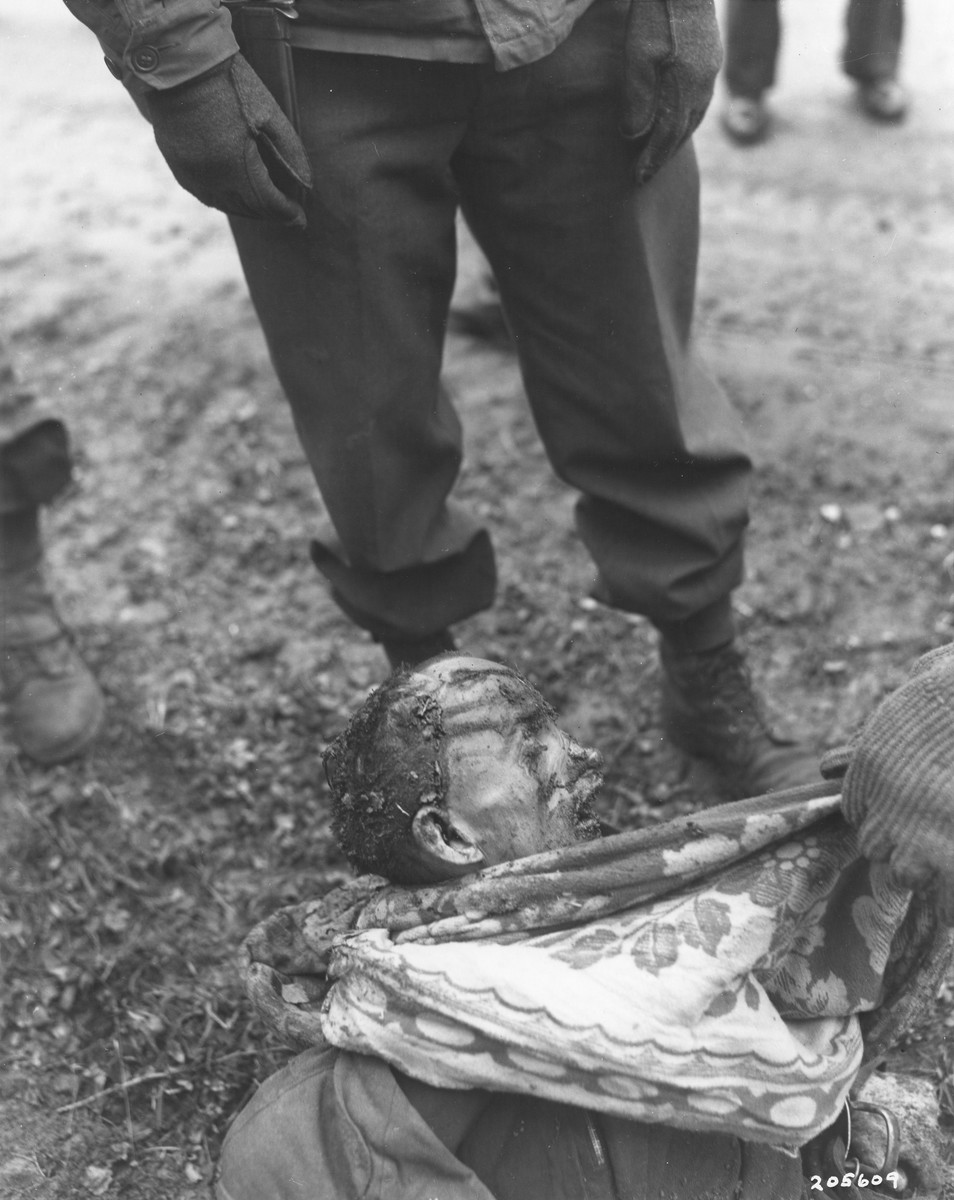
(157, 44)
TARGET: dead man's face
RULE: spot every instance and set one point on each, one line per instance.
(515, 782)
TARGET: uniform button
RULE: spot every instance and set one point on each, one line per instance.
(113, 68)
(145, 58)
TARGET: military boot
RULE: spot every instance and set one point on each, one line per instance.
(883, 100)
(711, 711)
(54, 704)
(746, 119)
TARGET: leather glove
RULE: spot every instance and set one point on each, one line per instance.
(898, 790)
(672, 56)
(230, 145)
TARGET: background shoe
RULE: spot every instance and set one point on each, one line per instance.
(883, 100)
(54, 704)
(409, 652)
(711, 711)
(746, 119)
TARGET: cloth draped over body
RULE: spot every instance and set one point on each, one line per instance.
(728, 972)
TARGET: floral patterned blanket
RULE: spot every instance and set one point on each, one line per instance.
(725, 972)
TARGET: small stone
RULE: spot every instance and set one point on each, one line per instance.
(831, 513)
(294, 993)
(63, 792)
(98, 1180)
(154, 548)
(153, 612)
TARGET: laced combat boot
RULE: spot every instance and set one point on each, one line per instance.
(54, 705)
(711, 711)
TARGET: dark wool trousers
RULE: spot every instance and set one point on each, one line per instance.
(597, 278)
(752, 34)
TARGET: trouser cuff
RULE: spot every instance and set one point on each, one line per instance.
(414, 602)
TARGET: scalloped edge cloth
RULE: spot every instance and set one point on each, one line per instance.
(727, 972)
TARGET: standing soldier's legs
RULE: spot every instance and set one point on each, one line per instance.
(872, 53)
(354, 309)
(752, 36)
(598, 280)
(54, 705)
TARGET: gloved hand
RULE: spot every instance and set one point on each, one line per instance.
(898, 791)
(230, 145)
(671, 59)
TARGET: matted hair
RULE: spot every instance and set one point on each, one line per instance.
(381, 769)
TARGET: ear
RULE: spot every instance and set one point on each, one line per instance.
(443, 849)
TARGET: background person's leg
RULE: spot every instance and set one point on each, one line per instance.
(874, 31)
(872, 53)
(752, 36)
(354, 310)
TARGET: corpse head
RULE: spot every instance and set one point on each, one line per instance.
(456, 766)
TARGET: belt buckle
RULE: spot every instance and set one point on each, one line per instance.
(892, 1128)
(840, 1147)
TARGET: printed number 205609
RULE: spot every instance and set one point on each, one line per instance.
(859, 1179)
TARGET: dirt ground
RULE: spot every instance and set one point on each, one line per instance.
(128, 880)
